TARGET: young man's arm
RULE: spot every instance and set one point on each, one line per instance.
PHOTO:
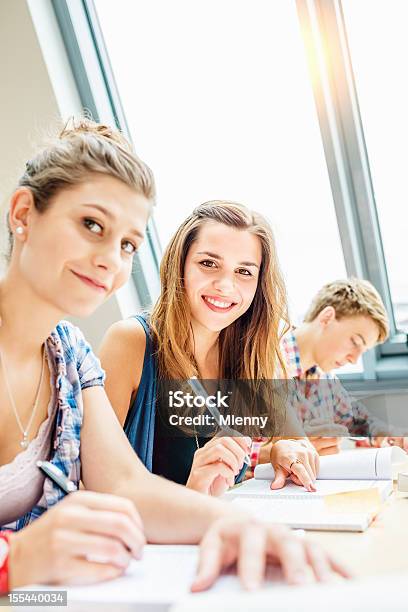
(374, 426)
(358, 419)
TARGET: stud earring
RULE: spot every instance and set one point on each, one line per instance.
(19, 230)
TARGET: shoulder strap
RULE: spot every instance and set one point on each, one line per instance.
(139, 424)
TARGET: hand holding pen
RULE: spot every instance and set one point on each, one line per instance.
(199, 390)
(87, 537)
(216, 465)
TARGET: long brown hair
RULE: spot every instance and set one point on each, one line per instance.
(249, 347)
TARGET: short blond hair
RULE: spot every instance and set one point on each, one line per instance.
(349, 298)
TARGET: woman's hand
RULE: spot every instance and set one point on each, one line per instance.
(389, 441)
(216, 464)
(378, 442)
(295, 459)
(88, 537)
(250, 544)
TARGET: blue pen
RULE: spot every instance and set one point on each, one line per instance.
(57, 476)
(198, 389)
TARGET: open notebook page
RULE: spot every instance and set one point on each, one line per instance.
(261, 489)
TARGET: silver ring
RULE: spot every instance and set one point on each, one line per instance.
(295, 461)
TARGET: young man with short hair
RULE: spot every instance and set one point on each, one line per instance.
(345, 319)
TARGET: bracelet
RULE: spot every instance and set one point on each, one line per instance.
(4, 557)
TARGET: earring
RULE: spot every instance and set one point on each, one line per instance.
(19, 230)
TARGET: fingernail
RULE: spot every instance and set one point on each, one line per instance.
(248, 440)
(196, 586)
(251, 585)
(299, 577)
(123, 561)
(324, 576)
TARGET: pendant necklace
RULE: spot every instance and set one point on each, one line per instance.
(25, 431)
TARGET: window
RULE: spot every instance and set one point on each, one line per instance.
(273, 104)
(378, 56)
(218, 100)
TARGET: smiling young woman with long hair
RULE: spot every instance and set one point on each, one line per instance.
(76, 218)
(220, 316)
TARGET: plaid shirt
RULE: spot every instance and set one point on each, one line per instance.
(318, 394)
(75, 368)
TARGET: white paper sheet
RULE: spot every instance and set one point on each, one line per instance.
(164, 575)
(379, 594)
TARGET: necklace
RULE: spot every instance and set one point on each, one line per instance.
(24, 442)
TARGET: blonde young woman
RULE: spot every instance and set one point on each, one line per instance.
(76, 218)
(219, 314)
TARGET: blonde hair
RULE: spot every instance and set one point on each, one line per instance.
(249, 348)
(349, 298)
(82, 148)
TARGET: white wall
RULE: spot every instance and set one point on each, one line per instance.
(37, 90)
(28, 102)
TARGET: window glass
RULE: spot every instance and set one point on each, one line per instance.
(377, 33)
(219, 103)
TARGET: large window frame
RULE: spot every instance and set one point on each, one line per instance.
(325, 38)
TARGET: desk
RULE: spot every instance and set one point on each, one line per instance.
(383, 548)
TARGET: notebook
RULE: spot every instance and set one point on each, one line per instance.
(350, 489)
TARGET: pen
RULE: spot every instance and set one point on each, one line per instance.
(198, 389)
(57, 476)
